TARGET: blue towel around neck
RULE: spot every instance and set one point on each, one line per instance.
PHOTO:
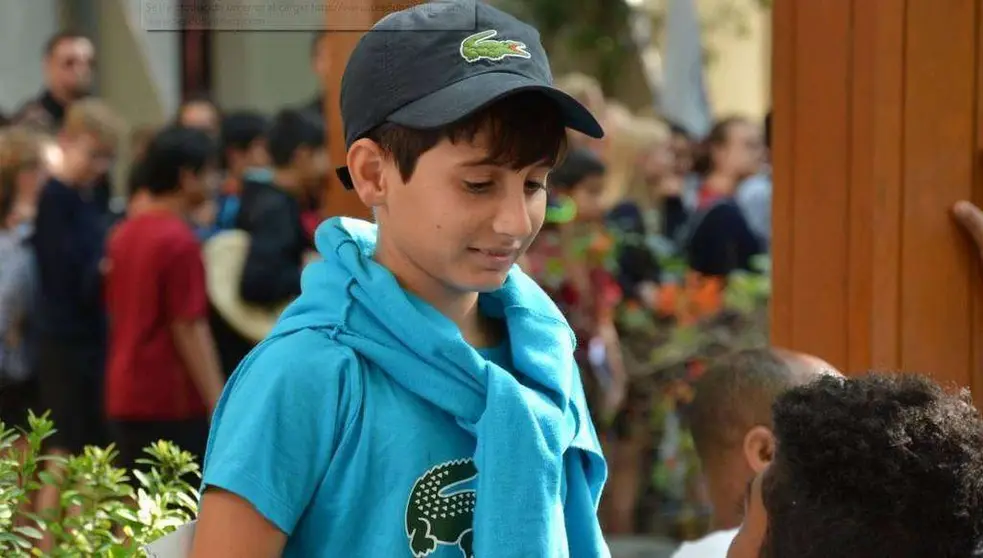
(540, 467)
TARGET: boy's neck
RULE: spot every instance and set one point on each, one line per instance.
(168, 203)
(721, 183)
(287, 180)
(460, 307)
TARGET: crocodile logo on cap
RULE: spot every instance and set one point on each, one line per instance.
(481, 46)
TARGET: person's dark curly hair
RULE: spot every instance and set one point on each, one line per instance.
(875, 467)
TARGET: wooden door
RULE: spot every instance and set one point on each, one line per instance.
(877, 132)
(346, 21)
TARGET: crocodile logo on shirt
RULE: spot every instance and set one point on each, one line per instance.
(481, 46)
(440, 511)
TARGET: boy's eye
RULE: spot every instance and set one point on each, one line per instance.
(532, 186)
(478, 187)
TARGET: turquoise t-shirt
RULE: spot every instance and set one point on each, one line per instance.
(358, 427)
(357, 466)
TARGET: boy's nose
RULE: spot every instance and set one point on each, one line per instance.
(513, 218)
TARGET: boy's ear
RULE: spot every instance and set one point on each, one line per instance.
(366, 164)
(759, 448)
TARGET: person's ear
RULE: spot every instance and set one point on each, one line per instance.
(367, 163)
(759, 448)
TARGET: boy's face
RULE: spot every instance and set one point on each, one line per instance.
(202, 116)
(682, 151)
(86, 157)
(658, 161)
(589, 197)
(196, 186)
(255, 155)
(458, 219)
(743, 153)
(312, 162)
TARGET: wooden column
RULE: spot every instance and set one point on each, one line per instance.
(196, 37)
(878, 127)
(346, 21)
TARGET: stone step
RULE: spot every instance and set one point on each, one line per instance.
(641, 547)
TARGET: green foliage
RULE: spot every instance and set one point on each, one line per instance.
(594, 32)
(598, 33)
(664, 360)
(101, 512)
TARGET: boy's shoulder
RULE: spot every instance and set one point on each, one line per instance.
(165, 233)
(304, 359)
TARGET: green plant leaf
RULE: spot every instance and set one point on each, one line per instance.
(30, 532)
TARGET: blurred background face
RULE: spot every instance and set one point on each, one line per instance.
(253, 156)
(196, 186)
(657, 162)
(682, 151)
(90, 158)
(743, 152)
(69, 68)
(320, 61)
(588, 194)
(200, 115)
(312, 165)
(29, 183)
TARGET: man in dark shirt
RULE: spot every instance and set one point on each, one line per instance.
(69, 59)
(272, 201)
(68, 241)
(69, 71)
(271, 208)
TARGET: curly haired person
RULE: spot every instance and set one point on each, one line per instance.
(870, 467)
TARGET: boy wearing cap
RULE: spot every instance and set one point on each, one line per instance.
(420, 397)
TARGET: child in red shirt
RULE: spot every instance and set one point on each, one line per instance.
(163, 376)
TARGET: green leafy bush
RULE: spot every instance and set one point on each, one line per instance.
(103, 511)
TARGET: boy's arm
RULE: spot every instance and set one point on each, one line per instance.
(273, 436)
(230, 526)
(195, 344)
(186, 304)
(13, 295)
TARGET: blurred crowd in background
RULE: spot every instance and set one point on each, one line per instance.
(125, 325)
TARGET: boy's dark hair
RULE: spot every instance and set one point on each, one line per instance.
(241, 128)
(524, 129)
(291, 130)
(577, 165)
(65, 35)
(136, 179)
(172, 150)
(872, 467)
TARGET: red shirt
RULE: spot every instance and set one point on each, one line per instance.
(156, 277)
(708, 197)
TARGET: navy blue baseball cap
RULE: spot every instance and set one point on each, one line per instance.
(436, 63)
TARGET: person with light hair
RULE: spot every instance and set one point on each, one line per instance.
(68, 241)
(23, 166)
(647, 207)
(586, 90)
